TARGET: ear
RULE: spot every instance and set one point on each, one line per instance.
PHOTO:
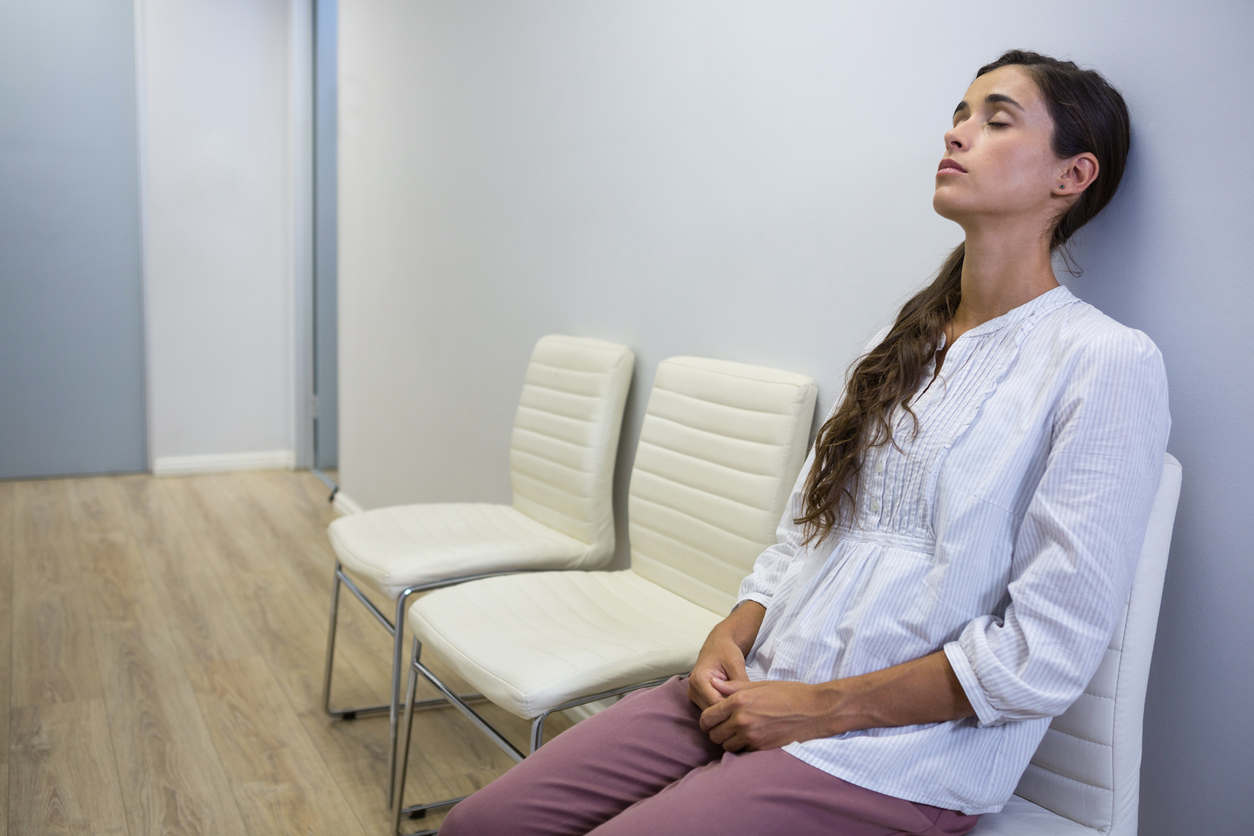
(1078, 174)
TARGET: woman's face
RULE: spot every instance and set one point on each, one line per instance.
(999, 161)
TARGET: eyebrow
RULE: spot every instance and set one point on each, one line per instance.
(991, 98)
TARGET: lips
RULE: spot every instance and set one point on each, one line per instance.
(950, 165)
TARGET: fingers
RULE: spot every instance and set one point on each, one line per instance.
(702, 689)
(729, 687)
(714, 715)
(730, 735)
(701, 694)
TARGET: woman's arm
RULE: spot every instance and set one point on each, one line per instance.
(1077, 547)
(722, 657)
(767, 715)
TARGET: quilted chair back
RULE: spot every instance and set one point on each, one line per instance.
(1088, 767)
(565, 440)
(719, 450)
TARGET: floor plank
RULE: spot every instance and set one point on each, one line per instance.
(61, 771)
(286, 610)
(279, 780)
(54, 661)
(200, 614)
(172, 780)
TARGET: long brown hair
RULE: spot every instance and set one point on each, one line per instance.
(1089, 116)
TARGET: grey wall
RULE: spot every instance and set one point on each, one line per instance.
(71, 335)
(752, 181)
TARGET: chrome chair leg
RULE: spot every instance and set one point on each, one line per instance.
(345, 713)
(397, 630)
(354, 713)
(470, 714)
(398, 663)
(398, 786)
(400, 769)
(335, 612)
(537, 732)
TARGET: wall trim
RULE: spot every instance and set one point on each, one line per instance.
(138, 12)
(345, 504)
(301, 225)
(224, 462)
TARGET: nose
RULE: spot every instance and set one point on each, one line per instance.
(954, 140)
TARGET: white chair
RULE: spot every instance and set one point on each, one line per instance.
(562, 454)
(719, 450)
(1085, 777)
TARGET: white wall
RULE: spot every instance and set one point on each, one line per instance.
(217, 151)
(753, 181)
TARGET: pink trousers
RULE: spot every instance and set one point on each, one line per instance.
(644, 766)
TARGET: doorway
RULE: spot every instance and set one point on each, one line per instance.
(325, 384)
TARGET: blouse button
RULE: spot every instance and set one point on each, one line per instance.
(875, 506)
(879, 467)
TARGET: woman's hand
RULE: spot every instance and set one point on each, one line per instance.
(722, 657)
(720, 661)
(767, 715)
(770, 714)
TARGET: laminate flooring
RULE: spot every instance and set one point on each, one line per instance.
(161, 656)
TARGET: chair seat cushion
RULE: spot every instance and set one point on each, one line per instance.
(395, 548)
(1021, 817)
(531, 642)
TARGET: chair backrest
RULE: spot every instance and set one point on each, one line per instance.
(565, 441)
(1088, 766)
(719, 450)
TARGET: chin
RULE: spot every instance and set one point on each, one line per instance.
(945, 206)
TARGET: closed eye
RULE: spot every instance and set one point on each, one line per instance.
(999, 124)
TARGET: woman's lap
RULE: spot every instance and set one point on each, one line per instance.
(644, 766)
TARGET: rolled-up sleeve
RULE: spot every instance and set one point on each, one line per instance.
(1077, 547)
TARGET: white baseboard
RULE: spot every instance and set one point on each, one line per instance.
(345, 505)
(224, 463)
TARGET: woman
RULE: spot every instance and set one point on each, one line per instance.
(953, 560)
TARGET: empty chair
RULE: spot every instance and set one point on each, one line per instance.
(561, 461)
(1085, 777)
(719, 450)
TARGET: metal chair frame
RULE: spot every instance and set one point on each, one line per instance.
(396, 629)
(449, 698)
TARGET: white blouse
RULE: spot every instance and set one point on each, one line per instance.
(1004, 532)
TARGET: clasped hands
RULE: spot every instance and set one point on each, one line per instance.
(738, 714)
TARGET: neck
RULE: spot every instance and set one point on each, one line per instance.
(1001, 270)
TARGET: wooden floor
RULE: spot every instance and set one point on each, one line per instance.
(161, 653)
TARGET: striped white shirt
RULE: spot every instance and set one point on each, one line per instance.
(1005, 532)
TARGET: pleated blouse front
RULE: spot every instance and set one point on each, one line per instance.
(1005, 532)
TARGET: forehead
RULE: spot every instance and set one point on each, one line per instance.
(1012, 81)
